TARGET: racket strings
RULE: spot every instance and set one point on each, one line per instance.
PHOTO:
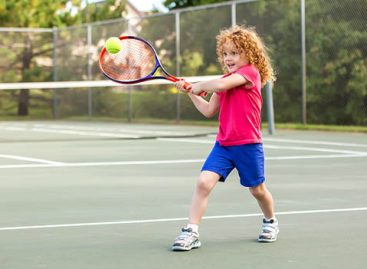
(135, 60)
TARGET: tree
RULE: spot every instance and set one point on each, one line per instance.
(20, 50)
(337, 65)
(336, 44)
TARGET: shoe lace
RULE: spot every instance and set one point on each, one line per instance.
(185, 233)
(269, 226)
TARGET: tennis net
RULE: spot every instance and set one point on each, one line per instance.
(149, 102)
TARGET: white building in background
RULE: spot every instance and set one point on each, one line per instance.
(131, 11)
(134, 15)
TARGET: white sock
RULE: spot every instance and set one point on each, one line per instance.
(194, 227)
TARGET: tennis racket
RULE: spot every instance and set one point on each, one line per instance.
(136, 62)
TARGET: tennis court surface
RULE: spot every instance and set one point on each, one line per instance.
(109, 195)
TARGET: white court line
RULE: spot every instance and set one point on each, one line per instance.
(315, 142)
(100, 163)
(111, 132)
(69, 132)
(89, 131)
(50, 164)
(105, 133)
(108, 130)
(316, 149)
(69, 225)
(83, 133)
(95, 164)
(267, 146)
(331, 156)
(21, 158)
(187, 140)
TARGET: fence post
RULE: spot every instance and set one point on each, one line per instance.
(129, 97)
(270, 107)
(55, 103)
(178, 67)
(233, 14)
(303, 45)
(89, 51)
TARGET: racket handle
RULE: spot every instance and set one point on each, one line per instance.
(203, 94)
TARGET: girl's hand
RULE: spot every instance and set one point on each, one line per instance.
(188, 88)
(184, 86)
(196, 89)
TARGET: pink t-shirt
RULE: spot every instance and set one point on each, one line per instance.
(240, 111)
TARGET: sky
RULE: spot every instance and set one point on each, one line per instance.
(144, 5)
(147, 5)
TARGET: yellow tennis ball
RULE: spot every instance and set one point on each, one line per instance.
(113, 45)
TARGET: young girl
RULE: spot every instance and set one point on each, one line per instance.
(237, 97)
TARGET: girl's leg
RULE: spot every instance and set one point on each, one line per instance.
(264, 199)
(199, 203)
(189, 237)
(270, 226)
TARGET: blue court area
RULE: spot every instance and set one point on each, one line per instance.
(109, 195)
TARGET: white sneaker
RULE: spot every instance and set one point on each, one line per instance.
(187, 240)
(270, 230)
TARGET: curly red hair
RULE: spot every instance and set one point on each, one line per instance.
(249, 43)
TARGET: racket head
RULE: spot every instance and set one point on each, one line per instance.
(137, 61)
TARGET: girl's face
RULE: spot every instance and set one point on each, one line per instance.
(232, 58)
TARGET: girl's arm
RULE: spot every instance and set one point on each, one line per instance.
(208, 109)
(218, 85)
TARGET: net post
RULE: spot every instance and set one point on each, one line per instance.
(269, 106)
(55, 109)
(129, 106)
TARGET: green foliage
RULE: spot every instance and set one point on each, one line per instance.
(29, 13)
(337, 65)
(27, 56)
(106, 10)
(336, 54)
(164, 38)
(56, 13)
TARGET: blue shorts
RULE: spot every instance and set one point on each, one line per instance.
(248, 159)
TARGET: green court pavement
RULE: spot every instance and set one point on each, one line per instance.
(74, 200)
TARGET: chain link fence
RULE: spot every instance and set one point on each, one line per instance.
(334, 92)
